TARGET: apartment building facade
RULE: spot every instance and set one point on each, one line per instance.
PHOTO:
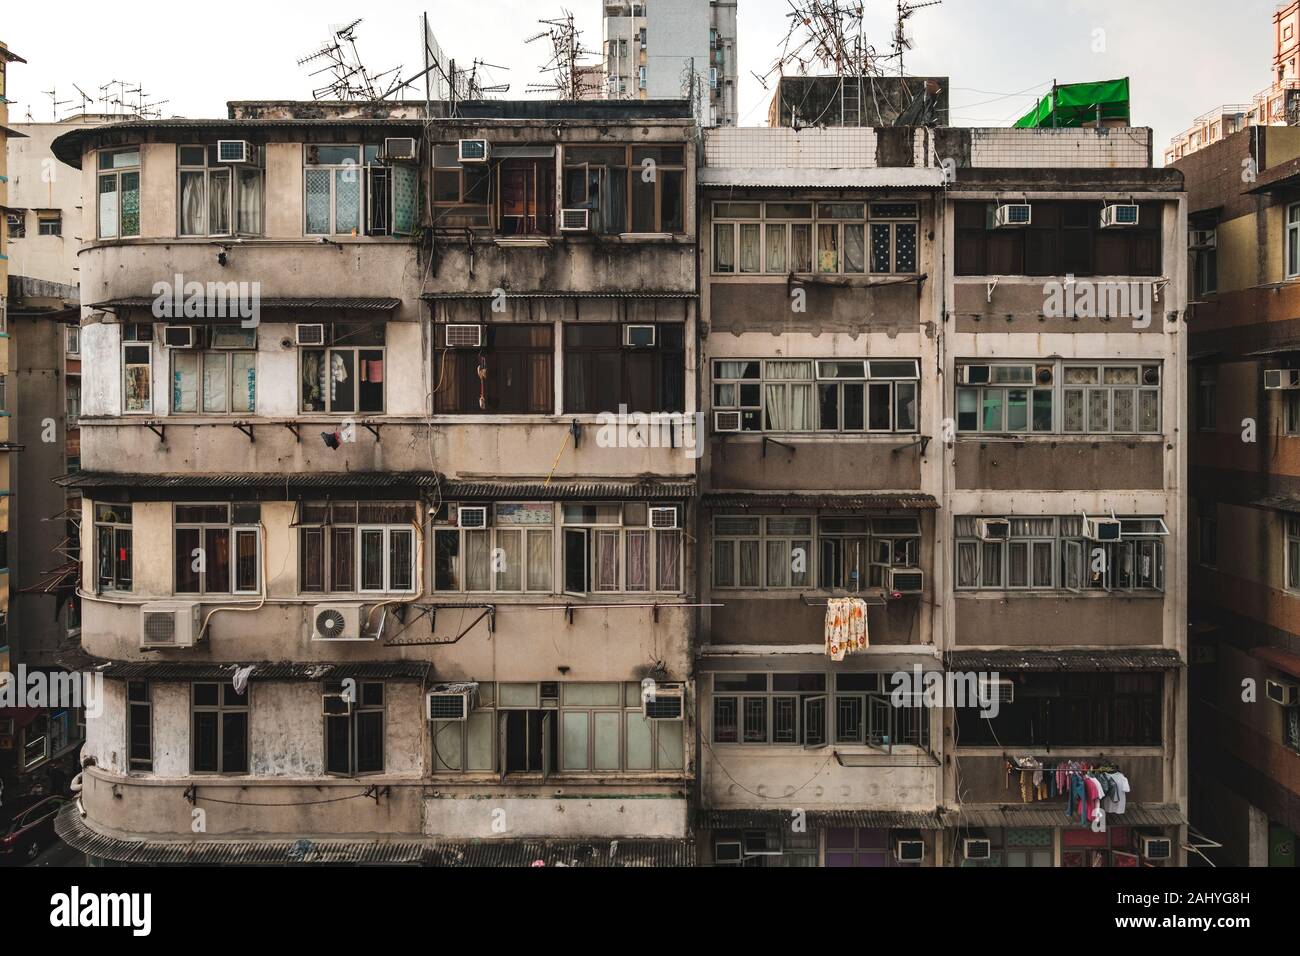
(906, 410)
(400, 496)
(1244, 203)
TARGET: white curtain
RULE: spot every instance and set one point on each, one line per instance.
(193, 204)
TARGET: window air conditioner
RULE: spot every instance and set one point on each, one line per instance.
(169, 624)
(1119, 216)
(906, 581)
(575, 220)
(1281, 379)
(667, 703)
(236, 151)
(993, 529)
(728, 851)
(1013, 216)
(1003, 691)
(638, 336)
(975, 849)
(445, 706)
(335, 705)
(309, 334)
(475, 517)
(1102, 529)
(472, 151)
(1156, 847)
(336, 622)
(1283, 693)
(726, 421)
(464, 336)
(909, 851)
(179, 336)
(401, 149)
(663, 519)
(974, 375)
(1201, 240)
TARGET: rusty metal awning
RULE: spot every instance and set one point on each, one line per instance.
(1287, 503)
(1073, 661)
(905, 501)
(286, 672)
(74, 831)
(1011, 818)
(468, 490)
(352, 304)
(1279, 348)
(707, 819)
(1275, 657)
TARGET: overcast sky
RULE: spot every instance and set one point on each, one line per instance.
(1184, 56)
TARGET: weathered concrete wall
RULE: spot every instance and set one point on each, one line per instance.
(1111, 620)
(505, 815)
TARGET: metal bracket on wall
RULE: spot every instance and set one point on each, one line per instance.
(191, 794)
(374, 793)
(922, 440)
(296, 436)
(374, 430)
(790, 448)
(247, 429)
(157, 429)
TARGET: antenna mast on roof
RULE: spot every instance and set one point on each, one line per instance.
(443, 82)
(828, 35)
(567, 75)
(902, 42)
(348, 77)
(55, 102)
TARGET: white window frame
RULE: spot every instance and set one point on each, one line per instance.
(387, 537)
(149, 400)
(116, 173)
(203, 356)
(236, 530)
(1292, 249)
(359, 170)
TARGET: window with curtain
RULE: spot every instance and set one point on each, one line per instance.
(807, 395)
(217, 548)
(218, 199)
(118, 209)
(349, 375)
(514, 555)
(627, 189)
(215, 382)
(601, 373)
(351, 547)
(333, 179)
(777, 238)
(1023, 398)
(518, 362)
(113, 547)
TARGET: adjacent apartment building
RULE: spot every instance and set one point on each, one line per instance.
(1244, 219)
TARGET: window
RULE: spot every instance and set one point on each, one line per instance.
(220, 381)
(333, 179)
(1291, 412)
(462, 193)
(1066, 238)
(137, 369)
(1052, 554)
(518, 362)
(4, 393)
(74, 340)
(777, 238)
(139, 726)
(1207, 397)
(350, 547)
(4, 550)
(852, 554)
(858, 848)
(1205, 267)
(851, 396)
(354, 729)
(217, 548)
(119, 193)
(1008, 399)
(515, 554)
(601, 374)
(1293, 241)
(609, 548)
(348, 376)
(773, 848)
(49, 223)
(218, 729)
(1071, 710)
(112, 547)
(74, 400)
(1208, 529)
(17, 223)
(632, 189)
(218, 199)
(1292, 553)
(526, 197)
(36, 742)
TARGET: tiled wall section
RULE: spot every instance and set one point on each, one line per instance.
(762, 147)
(1067, 148)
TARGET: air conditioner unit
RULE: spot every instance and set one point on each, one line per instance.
(447, 706)
(464, 336)
(1281, 379)
(1119, 216)
(728, 851)
(906, 581)
(470, 151)
(335, 705)
(1003, 691)
(575, 220)
(668, 703)
(993, 529)
(475, 517)
(309, 334)
(336, 622)
(1013, 216)
(1156, 847)
(909, 851)
(236, 151)
(975, 849)
(639, 336)
(400, 149)
(1283, 693)
(179, 336)
(169, 624)
(974, 375)
(1201, 240)
(1102, 529)
(726, 421)
(663, 519)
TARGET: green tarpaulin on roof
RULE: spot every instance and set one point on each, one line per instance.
(1074, 104)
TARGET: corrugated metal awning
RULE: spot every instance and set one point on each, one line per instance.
(511, 294)
(1280, 348)
(788, 177)
(1275, 657)
(1288, 503)
(841, 502)
(822, 819)
(1102, 659)
(287, 672)
(1010, 818)
(467, 490)
(350, 304)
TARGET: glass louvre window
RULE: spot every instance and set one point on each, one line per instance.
(1120, 399)
(217, 548)
(113, 547)
(850, 396)
(354, 735)
(218, 729)
(519, 364)
(332, 181)
(783, 238)
(348, 376)
(350, 547)
(218, 199)
(119, 193)
(1023, 398)
(516, 554)
(754, 552)
(214, 382)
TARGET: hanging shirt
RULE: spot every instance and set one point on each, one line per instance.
(1120, 800)
(846, 627)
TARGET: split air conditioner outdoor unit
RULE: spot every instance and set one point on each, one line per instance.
(1281, 379)
(169, 624)
(1283, 693)
(639, 336)
(1013, 216)
(975, 849)
(663, 519)
(472, 151)
(472, 518)
(336, 622)
(575, 220)
(447, 706)
(726, 421)
(1002, 691)
(993, 529)
(239, 151)
(464, 336)
(179, 336)
(1156, 847)
(309, 334)
(400, 149)
(1102, 529)
(668, 702)
(1119, 216)
(909, 851)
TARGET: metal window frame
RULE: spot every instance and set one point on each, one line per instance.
(358, 707)
(141, 765)
(234, 529)
(221, 708)
(203, 357)
(328, 394)
(362, 204)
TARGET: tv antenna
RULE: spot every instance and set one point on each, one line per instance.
(86, 98)
(828, 35)
(348, 79)
(902, 42)
(566, 73)
(55, 102)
